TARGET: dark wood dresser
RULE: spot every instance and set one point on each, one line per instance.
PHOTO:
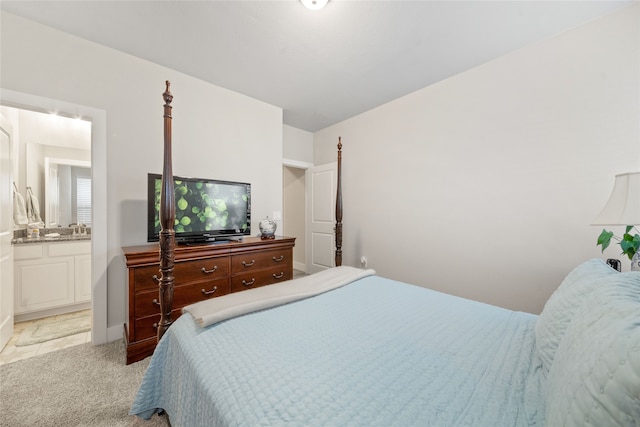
(201, 272)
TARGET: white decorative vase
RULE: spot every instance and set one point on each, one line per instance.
(635, 262)
(267, 228)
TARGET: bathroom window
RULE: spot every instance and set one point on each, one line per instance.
(68, 197)
(83, 200)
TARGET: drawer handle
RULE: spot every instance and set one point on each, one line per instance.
(156, 278)
(280, 258)
(278, 276)
(156, 302)
(249, 264)
(215, 288)
(155, 326)
(205, 271)
(249, 283)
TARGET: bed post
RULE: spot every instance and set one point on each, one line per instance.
(167, 218)
(339, 207)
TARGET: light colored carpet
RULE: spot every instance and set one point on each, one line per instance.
(79, 386)
(50, 329)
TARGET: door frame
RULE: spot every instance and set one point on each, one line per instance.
(98, 120)
(296, 164)
(6, 288)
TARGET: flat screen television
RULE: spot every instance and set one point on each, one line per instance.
(206, 209)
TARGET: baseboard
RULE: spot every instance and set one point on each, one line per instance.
(114, 333)
(32, 315)
(300, 266)
(6, 331)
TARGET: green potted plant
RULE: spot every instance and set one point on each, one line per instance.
(629, 243)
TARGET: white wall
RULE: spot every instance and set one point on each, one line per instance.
(484, 185)
(297, 145)
(216, 133)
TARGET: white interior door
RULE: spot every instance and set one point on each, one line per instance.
(320, 182)
(6, 231)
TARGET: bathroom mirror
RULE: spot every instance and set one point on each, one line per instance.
(67, 192)
(64, 144)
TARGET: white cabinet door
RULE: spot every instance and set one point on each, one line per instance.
(51, 275)
(40, 285)
(6, 233)
(83, 278)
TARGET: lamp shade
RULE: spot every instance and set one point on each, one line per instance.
(623, 207)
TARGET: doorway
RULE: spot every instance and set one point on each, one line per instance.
(98, 257)
(51, 163)
(309, 214)
(293, 191)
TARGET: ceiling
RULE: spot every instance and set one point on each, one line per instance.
(320, 67)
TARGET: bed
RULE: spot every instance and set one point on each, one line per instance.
(347, 347)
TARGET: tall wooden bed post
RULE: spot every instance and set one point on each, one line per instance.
(339, 207)
(167, 219)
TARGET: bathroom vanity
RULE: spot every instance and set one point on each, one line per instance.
(51, 276)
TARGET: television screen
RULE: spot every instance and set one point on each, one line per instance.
(206, 209)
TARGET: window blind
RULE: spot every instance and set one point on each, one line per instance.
(83, 200)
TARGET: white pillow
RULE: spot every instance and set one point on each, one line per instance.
(595, 377)
(564, 303)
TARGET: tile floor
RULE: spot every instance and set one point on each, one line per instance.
(11, 353)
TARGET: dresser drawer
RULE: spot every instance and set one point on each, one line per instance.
(146, 303)
(197, 268)
(147, 327)
(256, 279)
(184, 272)
(259, 260)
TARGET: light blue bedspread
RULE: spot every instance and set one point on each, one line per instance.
(375, 352)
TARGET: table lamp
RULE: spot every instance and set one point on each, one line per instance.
(623, 207)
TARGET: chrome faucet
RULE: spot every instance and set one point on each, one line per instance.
(79, 229)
